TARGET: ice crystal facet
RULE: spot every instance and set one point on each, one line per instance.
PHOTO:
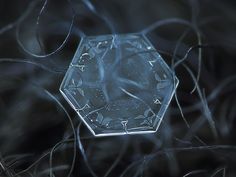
(119, 84)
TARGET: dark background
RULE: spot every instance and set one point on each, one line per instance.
(33, 115)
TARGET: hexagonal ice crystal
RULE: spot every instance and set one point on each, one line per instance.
(119, 84)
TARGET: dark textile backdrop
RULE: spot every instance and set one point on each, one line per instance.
(37, 42)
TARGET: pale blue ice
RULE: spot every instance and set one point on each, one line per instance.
(119, 84)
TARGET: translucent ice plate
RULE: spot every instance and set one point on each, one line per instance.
(119, 84)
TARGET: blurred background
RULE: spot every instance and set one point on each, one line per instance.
(40, 134)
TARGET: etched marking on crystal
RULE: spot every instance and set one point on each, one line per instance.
(100, 118)
(75, 83)
(86, 106)
(84, 56)
(157, 101)
(151, 62)
(114, 42)
(124, 124)
(102, 44)
(81, 67)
